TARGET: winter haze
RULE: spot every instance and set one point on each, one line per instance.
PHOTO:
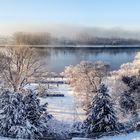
(70, 69)
(71, 31)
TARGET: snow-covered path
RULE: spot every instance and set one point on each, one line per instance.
(131, 136)
(63, 108)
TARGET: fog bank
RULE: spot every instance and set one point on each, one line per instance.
(72, 31)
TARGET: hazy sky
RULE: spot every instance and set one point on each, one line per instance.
(32, 14)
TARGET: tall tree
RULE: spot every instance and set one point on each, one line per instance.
(101, 116)
(84, 78)
(18, 65)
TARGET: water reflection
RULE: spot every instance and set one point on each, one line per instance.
(58, 58)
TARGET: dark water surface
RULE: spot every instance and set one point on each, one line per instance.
(57, 58)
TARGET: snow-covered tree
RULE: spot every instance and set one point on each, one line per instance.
(101, 116)
(13, 120)
(85, 78)
(33, 108)
(18, 66)
(17, 116)
(127, 102)
(127, 80)
(133, 90)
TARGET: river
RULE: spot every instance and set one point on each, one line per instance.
(57, 59)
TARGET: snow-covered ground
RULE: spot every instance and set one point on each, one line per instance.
(131, 136)
(5, 138)
(63, 108)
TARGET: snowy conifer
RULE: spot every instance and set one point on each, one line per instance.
(101, 116)
(33, 108)
(16, 116)
(127, 80)
(13, 122)
(127, 102)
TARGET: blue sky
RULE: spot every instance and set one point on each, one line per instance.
(102, 13)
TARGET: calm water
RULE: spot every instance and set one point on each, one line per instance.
(57, 58)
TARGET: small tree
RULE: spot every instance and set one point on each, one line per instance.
(33, 108)
(127, 102)
(18, 65)
(127, 80)
(101, 116)
(129, 99)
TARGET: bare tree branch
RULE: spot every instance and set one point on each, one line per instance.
(18, 65)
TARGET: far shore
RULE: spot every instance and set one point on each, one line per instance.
(79, 46)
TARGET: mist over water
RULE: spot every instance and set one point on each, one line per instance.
(72, 30)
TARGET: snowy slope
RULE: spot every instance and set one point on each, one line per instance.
(63, 108)
(131, 136)
(2, 138)
(5, 138)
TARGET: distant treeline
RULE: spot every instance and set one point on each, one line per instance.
(28, 38)
(31, 38)
(104, 41)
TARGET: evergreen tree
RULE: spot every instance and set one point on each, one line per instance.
(127, 80)
(127, 102)
(101, 116)
(132, 82)
(15, 116)
(33, 108)
(13, 122)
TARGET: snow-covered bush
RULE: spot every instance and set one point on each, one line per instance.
(101, 117)
(131, 97)
(126, 79)
(85, 78)
(42, 90)
(20, 117)
(127, 103)
(57, 129)
(78, 127)
(114, 80)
